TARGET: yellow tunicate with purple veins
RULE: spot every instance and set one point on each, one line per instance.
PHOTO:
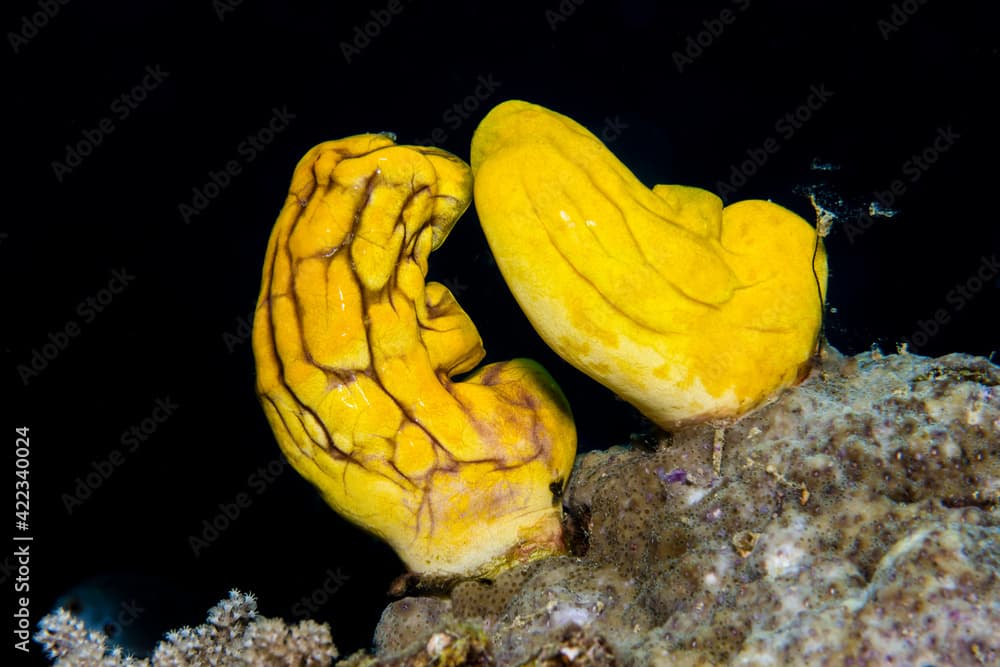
(355, 357)
(689, 310)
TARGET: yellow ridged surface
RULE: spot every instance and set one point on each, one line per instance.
(355, 355)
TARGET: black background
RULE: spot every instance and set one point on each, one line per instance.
(175, 330)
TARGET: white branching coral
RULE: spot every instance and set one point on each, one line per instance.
(234, 636)
(67, 640)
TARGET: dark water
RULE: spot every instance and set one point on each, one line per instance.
(124, 114)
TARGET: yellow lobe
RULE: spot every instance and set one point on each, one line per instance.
(687, 309)
(355, 355)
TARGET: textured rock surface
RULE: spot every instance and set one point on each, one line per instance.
(856, 520)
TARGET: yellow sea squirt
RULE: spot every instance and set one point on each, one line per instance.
(689, 310)
(355, 357)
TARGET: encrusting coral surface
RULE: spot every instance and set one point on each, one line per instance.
(853, 521)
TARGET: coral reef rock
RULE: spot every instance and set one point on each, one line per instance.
(854, 520)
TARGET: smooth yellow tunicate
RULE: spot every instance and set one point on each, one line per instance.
(688, 310)
(355, 355)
